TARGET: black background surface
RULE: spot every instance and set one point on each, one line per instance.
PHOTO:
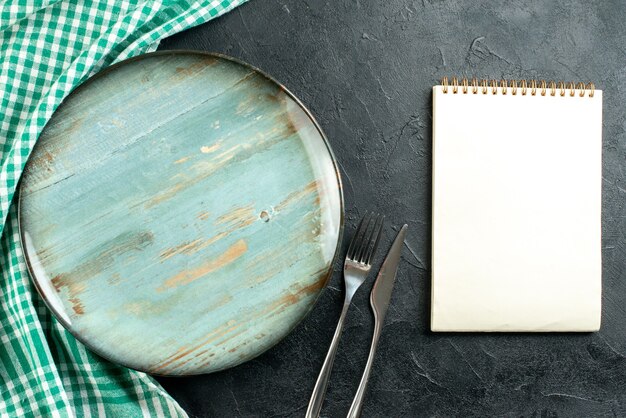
(365, 69)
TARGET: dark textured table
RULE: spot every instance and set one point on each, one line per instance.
(365, 69)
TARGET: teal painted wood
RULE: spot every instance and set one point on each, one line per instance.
(180, 213)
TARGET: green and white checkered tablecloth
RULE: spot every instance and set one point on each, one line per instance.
(47, 48)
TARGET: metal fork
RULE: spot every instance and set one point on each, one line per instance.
(355, 269)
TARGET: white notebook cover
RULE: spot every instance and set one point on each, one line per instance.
(516, 240)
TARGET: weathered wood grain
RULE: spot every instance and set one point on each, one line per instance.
(180, 213)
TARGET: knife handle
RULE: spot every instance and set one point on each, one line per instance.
(357, 403)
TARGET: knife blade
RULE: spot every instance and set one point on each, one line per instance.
(381, 291)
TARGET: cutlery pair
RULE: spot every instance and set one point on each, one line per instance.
(357, 266)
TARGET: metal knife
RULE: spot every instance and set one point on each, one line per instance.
(379, 299)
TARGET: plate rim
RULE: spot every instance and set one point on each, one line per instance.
(326, 277)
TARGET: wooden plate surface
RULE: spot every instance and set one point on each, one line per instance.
(180, 213)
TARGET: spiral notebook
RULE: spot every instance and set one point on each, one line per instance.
(516, 206)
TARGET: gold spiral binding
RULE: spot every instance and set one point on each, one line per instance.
(592, 88)
(503, 86)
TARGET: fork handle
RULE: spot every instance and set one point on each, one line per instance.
(317, 398)
(357, 403)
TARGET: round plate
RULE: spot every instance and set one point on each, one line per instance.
(180, 213)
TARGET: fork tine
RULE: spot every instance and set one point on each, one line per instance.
(355, 239)
(358, 256)
(369, 240)
(376, 236)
